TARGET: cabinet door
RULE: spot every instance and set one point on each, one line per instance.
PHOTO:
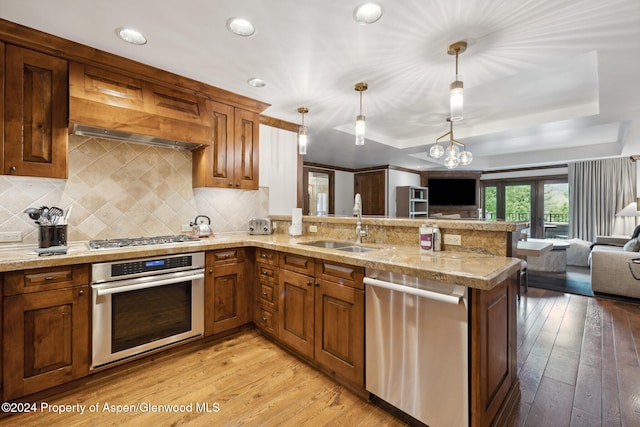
(226, 296)
(296, 325)
(246, 150)
(339, 328)
(36, 116)
(213, 165)
(46, 337)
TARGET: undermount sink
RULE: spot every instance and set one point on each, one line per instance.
(356, 249)
(340, 246)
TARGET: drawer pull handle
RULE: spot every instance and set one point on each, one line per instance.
(48, 278)
(264, 293)
(264, 319)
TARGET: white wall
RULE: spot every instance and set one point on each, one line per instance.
(396, 178)
(344, 194)
(278, 168)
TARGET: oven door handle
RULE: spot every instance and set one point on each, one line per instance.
(136, 284)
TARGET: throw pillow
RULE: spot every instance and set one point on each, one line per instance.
(632, 245)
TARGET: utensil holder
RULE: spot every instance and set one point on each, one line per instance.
(52, 235)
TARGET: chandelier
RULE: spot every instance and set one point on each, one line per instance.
(453, 156)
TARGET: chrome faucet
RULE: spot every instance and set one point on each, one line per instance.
(357, 212)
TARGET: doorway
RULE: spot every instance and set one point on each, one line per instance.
(542, 202)
(319, 197)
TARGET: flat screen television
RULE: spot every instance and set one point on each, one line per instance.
(452, 191)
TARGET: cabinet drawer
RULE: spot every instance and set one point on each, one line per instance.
(267, 272)
(267, 256)
(298, 263)
(225, 256)
(43, 279)
(268, 294)
(343, 274)
(266, 320)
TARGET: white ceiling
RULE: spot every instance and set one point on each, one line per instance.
(546, 81)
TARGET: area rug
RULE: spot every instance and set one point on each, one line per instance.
(574, 281)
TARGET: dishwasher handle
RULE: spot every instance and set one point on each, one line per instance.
(437, 296)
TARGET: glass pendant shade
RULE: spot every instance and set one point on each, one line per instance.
(436, 151)
(302, 140)
(456, 99)
(465, 158)
(451, 162)
(360, 127)
(452, 151)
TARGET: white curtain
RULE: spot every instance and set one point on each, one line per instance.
(597, 190)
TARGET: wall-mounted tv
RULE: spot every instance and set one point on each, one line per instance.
(452, 191)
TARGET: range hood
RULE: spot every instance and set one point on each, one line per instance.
(98, 132)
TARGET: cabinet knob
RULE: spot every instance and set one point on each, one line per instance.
(237, 184)
(48, 278)
(211, 271)
(264, 319)
(12, 169)
(230, 184)
(264, 293)
(81, 293)
(309, 283)
(317, 284)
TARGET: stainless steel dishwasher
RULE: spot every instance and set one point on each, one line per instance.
(417, 347)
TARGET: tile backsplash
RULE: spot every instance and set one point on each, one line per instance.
(122, 189)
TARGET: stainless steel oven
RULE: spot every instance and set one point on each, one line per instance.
(145, 304)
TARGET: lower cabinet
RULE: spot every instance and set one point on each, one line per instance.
(46, 331)
(227, 290)
(322, 316)
(267, 291)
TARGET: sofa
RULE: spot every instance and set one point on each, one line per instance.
(612, 269)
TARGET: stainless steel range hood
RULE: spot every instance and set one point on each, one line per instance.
(98, 132)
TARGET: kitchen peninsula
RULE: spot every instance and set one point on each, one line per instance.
(488, 273)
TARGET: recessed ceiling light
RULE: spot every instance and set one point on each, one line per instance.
(131, 36)
(367, 13)
(241, 27)
(256, 82)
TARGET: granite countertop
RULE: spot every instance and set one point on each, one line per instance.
(468, 269)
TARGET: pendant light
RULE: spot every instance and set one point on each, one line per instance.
(360, 126)
(456, 100)
(303, 138)
(453, 156)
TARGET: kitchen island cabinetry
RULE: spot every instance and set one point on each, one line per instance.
(35, 117)
(45, 328)
(231, 161)
(322, 314)
(227, 290)
(267, 294)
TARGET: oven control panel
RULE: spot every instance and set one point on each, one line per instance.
(135, 267)
(106, 271)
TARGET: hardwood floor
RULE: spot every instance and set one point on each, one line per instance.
(577, 362)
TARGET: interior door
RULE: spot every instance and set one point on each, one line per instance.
(372, 187)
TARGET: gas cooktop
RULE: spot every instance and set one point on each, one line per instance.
(140, 241)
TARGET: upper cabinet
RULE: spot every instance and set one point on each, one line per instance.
(35, 116)
(231, 161)
(117, 102)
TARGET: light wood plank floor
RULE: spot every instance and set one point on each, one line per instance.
(577, 362)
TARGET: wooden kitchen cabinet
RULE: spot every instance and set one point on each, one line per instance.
(36, 114)
(46, 332)
(267, 291)
(322, 316)
(227, 290)
(105, 99)
(231, 161)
